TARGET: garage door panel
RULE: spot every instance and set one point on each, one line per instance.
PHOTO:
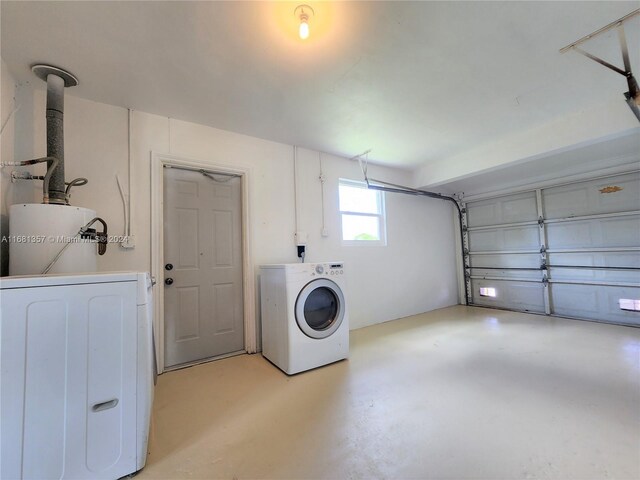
(620, 232)
(597, 259)
(493, 272)
(598, 233)
(610, 260)
(613, 194)
(512, 238)
(511, 209)
(606, 276)
(527, 260)
(595, 302)
(525, 296)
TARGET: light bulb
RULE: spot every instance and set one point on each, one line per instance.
(304, 30)
(303, 13)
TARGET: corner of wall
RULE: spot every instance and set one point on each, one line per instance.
(7, 141)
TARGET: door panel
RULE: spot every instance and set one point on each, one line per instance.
(600, 232)
(595, 302)
(188, 328)
(511, 209)
(527, 260)
(71, 348)
(513, 295)
(188, 234)
(223, 231)
(224, 306)
(203, 242)
(614, 194)
(629, 263)
(511, 238)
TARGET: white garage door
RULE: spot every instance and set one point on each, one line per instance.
(571, 250)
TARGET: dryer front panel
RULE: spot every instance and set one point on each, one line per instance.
(320, 308)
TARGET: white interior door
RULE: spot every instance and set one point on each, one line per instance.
(571, 250)
(203, 298)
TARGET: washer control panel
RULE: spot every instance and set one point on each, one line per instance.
(328, 269)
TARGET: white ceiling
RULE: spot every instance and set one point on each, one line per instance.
(414, 81)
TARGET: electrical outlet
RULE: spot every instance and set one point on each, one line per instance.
(129, 242)
(302, 238)
(325, 232)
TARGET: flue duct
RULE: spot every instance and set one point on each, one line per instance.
(57, 79)
(53, 237)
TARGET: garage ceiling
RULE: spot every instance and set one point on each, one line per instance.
(417, 82)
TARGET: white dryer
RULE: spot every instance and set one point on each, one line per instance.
(77, 375)
(305, 322)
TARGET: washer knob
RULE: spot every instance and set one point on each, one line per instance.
(319, 269)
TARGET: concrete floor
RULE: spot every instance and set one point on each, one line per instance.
(455, 393)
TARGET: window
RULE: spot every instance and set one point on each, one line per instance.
(362, 212)
(487, 292)
(629, 304)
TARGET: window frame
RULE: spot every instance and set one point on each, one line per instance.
(381, 215)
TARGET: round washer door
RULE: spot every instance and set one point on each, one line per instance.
(320, 308)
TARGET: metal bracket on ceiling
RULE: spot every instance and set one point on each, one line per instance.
(633, 95)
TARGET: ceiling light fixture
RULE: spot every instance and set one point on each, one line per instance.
(302, 12)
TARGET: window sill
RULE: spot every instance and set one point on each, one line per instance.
(364, 243)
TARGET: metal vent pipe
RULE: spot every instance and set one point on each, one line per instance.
(55, 137)
(57, 80)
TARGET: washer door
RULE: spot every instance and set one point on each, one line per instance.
(320, 308)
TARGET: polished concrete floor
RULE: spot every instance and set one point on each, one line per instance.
(455, 393)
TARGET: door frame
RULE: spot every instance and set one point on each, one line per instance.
(158, 162)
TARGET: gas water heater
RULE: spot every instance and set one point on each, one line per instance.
(53, 236)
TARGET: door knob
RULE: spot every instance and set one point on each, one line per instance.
(168, 281)
(169, 266)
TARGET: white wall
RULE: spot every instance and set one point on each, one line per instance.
(413, 274)
(7, 119)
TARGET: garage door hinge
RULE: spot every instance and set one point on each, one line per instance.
(543, 265)
(464, 228)
(466, 251)
(545, 280)
(540, 221)
(543, 249)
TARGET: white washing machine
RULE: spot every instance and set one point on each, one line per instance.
(77, 375)
(305, 322)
